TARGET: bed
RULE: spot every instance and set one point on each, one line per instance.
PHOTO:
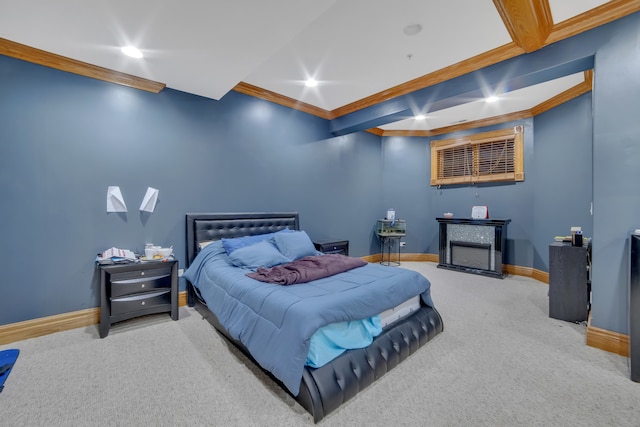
(319, 390)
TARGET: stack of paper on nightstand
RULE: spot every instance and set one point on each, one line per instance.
(116, 256)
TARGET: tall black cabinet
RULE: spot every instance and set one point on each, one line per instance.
(634, 307)
(568, 282)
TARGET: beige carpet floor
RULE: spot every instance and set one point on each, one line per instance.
(501, 361)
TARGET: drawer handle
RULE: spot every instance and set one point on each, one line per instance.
(143, 302)
(142, 273)
(142, 285)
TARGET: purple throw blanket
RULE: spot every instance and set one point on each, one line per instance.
(307, 269)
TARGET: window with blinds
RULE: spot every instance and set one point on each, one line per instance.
(487, 157)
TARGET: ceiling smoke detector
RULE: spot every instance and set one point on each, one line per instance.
(412, 29)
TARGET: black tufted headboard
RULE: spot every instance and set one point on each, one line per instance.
(202, 227)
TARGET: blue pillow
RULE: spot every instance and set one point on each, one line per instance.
(262, 254)
(294, 245)
(233, 244)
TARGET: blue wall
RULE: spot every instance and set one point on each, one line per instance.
(616, 170)
(405, 178)
(562, 171)
(508, 200)
(407, 175)
(585, 151)
(65, 138)
(551, 199)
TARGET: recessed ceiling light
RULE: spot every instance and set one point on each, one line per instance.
(311, 83)
(412, 29)
(131, 51)
(420, 117)
(491, 98)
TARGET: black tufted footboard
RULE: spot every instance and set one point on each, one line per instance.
(324, 389)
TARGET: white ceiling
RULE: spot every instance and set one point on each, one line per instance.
(516, 100)
(354, 48)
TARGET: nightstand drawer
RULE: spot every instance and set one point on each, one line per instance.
(330, 246)
(140, 302)
(334, 249)
(139, 284)
(140, 274)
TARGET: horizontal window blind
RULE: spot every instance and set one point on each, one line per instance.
(488, 157)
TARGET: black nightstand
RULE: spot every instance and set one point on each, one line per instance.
(332, 246)
(137, 289)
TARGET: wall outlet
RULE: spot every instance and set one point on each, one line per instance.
(403, 244)
(180, 272)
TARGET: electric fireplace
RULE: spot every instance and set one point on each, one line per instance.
(473, 245)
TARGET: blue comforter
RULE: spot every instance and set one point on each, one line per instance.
(275, 322)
